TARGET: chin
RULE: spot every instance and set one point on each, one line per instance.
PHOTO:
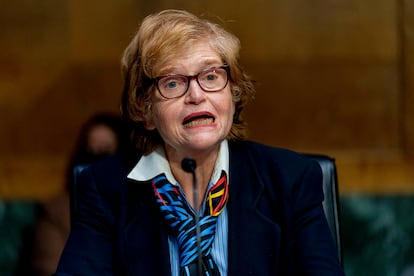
(205, 144)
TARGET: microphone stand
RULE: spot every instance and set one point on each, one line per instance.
(197, 222)
(189, 165)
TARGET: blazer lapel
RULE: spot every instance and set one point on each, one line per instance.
(254, 237)
(145, 237)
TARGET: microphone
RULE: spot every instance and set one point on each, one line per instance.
(189, 165)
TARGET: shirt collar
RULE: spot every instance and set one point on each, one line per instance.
(156, 163)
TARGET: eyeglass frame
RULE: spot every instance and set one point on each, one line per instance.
(226, 68)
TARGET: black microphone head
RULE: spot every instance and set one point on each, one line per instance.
(188, 164)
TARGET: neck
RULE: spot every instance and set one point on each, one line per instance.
(205, 166)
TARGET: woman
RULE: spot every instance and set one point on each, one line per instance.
(245, 209)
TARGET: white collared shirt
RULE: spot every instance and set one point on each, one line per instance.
(156, 163)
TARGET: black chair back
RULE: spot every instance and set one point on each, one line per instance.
(331, 194)
(74, 190)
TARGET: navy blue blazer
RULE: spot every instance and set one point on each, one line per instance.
(275, 216)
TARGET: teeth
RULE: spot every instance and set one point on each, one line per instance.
(198, 122)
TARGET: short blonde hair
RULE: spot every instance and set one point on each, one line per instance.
(161, 38)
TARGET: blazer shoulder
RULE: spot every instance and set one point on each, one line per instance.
(265, 154)
(273, 163)
(109, 174)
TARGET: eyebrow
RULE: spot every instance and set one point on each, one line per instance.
(206, 64)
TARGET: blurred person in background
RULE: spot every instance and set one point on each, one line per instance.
(101, 136)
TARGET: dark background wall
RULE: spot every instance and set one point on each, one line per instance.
(333, 77)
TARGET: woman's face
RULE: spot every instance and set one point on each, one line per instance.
(198, 121)
(102, 140)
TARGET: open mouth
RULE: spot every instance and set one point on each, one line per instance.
(198, 120)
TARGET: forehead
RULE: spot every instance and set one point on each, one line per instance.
(197, 56)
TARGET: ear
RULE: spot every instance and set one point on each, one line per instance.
(148, 117)
(149, 125)
(149, 122)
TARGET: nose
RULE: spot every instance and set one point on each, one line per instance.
(194, 94)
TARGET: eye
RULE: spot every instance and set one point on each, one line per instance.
(172, 82)
(211, 77)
